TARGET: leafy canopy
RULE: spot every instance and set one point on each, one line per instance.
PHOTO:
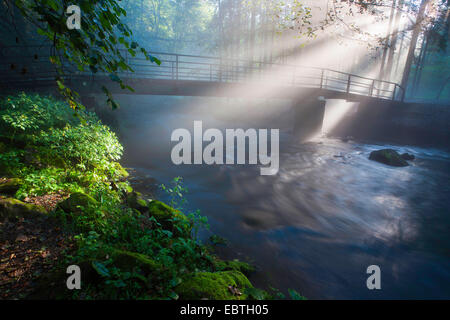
(100, 45)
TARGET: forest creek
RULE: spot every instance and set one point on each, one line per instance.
(54, 215)
(224, 150)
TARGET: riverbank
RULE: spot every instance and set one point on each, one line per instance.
(65, 200)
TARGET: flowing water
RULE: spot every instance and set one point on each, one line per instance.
(325, 217)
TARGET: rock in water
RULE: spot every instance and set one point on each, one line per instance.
(408, 156)
(389, 157)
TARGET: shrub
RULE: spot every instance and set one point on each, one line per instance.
(84, 145)
(25, 114)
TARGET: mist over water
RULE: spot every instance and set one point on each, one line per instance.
(325, 217)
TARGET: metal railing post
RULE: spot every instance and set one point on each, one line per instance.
(173, 70)
(393, 94)
(220, 70)
(348, 83)
(371, 88)
(177, 66)
(293, 77)
(321, 79)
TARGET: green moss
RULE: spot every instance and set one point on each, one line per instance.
(13, 208)
(169, 218)
(235, 265)
(128, 188)
(127, 261)
(134, 200)
(214, 286)
(10, 186)
(160, 210)
(389, 157)
(121, 173)
(76, 201)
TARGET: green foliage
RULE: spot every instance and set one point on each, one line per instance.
(24, 114)
(160, 23)
(235, 265)
(120, 241)
(100, 45)
(54, 151)
(147, 250)
(176, 193)
(86, 145)
(216, 286)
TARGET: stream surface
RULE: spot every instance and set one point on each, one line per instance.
(325, 217)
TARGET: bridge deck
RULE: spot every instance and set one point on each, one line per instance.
(197, 75)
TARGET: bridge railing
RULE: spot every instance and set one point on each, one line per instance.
(22, 66)
(203, 68)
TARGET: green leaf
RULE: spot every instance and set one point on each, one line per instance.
(101, 269)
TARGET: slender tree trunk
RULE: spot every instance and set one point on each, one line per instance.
(238, 29)
(390, 63)
(252, 31)
(413, 43)
(421, 62)
(386, 46)
(272, 41)
(399, 56)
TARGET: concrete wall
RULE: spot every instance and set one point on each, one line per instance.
(405, 123)
(308, 115)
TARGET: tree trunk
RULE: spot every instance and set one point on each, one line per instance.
(252, 32)
(413, 43)
(386, 46)
(421, 62)
(390, 63)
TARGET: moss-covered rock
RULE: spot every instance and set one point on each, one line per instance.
(169, 218)
(13, 208)
(10, 186)
(135, 200)
(234, 265)
(225, 285)
(128, 261)
(127, 188)
(161, 211)
(120, 173)
(389, 157)
(77, 201)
